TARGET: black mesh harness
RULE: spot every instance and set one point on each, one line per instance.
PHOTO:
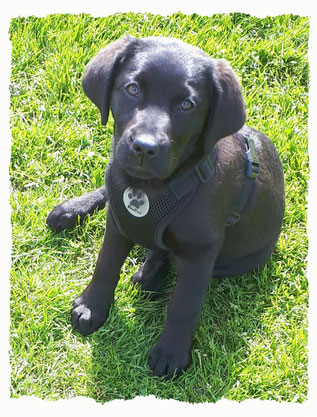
(143, 217)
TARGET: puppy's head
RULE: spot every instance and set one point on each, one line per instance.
(170, 102)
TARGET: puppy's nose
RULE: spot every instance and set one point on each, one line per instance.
(145, 146)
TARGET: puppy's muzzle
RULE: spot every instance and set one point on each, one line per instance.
(145, 155)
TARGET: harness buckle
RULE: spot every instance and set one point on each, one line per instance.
(205, 169)
(233, 219)
(252, 168)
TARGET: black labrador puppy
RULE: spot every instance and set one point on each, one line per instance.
(186, 179)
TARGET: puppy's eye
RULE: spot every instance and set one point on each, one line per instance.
(187, 105)
(132, 89)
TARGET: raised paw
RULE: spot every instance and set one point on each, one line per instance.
(87, 318)
(169, 360)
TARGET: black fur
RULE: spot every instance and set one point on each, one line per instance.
(171, 105)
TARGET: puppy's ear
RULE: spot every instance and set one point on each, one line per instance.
(99, 74)
(227, 107)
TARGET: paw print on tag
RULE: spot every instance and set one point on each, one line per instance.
(136, 202)
(135, 197)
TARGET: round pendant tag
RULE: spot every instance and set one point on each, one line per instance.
(136, 202)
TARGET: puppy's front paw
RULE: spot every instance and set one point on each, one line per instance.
(86, 317)
(169, 360)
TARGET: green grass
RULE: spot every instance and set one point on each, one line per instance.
(252, 338)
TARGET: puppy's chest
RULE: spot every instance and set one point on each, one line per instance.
(143, 216)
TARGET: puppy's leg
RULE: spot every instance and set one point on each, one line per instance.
(65, 215)
(91, 308)
(152, 273)
(171, 354)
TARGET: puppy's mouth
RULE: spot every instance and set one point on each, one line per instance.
(140, 172)
(144, 167)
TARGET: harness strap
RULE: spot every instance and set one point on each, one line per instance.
(201, 173)
(252, 172)
(184, 189)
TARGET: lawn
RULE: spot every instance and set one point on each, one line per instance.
(252, 338)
